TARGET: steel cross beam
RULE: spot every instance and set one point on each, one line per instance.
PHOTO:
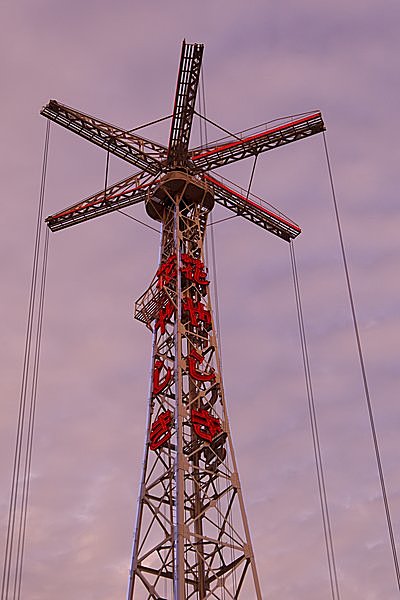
(136, 150)
(238, 148)
(133, 189)
(185, 99)
(253, 210)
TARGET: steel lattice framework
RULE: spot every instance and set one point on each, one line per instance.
(192, 537)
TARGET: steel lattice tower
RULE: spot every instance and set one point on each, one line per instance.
(191, 538)
(191, 526)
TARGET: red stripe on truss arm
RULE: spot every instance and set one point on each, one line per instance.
(255, 136)
(258, 206)
(85, 204)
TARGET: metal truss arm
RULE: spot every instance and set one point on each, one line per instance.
(185, 98)
(136, 150)
(129, 191)
(247, 144)
(250, 208)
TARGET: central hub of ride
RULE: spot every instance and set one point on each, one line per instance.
(173, 188)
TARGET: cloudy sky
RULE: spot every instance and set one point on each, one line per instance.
(263, 59)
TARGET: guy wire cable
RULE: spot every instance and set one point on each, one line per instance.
(202, 103)
(211, 245)
(315, 435)
(8, 554)
(31, 424)
(363, 369)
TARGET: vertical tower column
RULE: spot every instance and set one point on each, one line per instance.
(192, 538)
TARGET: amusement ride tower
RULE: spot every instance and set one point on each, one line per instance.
(192, 537)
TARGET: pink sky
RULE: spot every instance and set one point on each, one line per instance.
(263, 59)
